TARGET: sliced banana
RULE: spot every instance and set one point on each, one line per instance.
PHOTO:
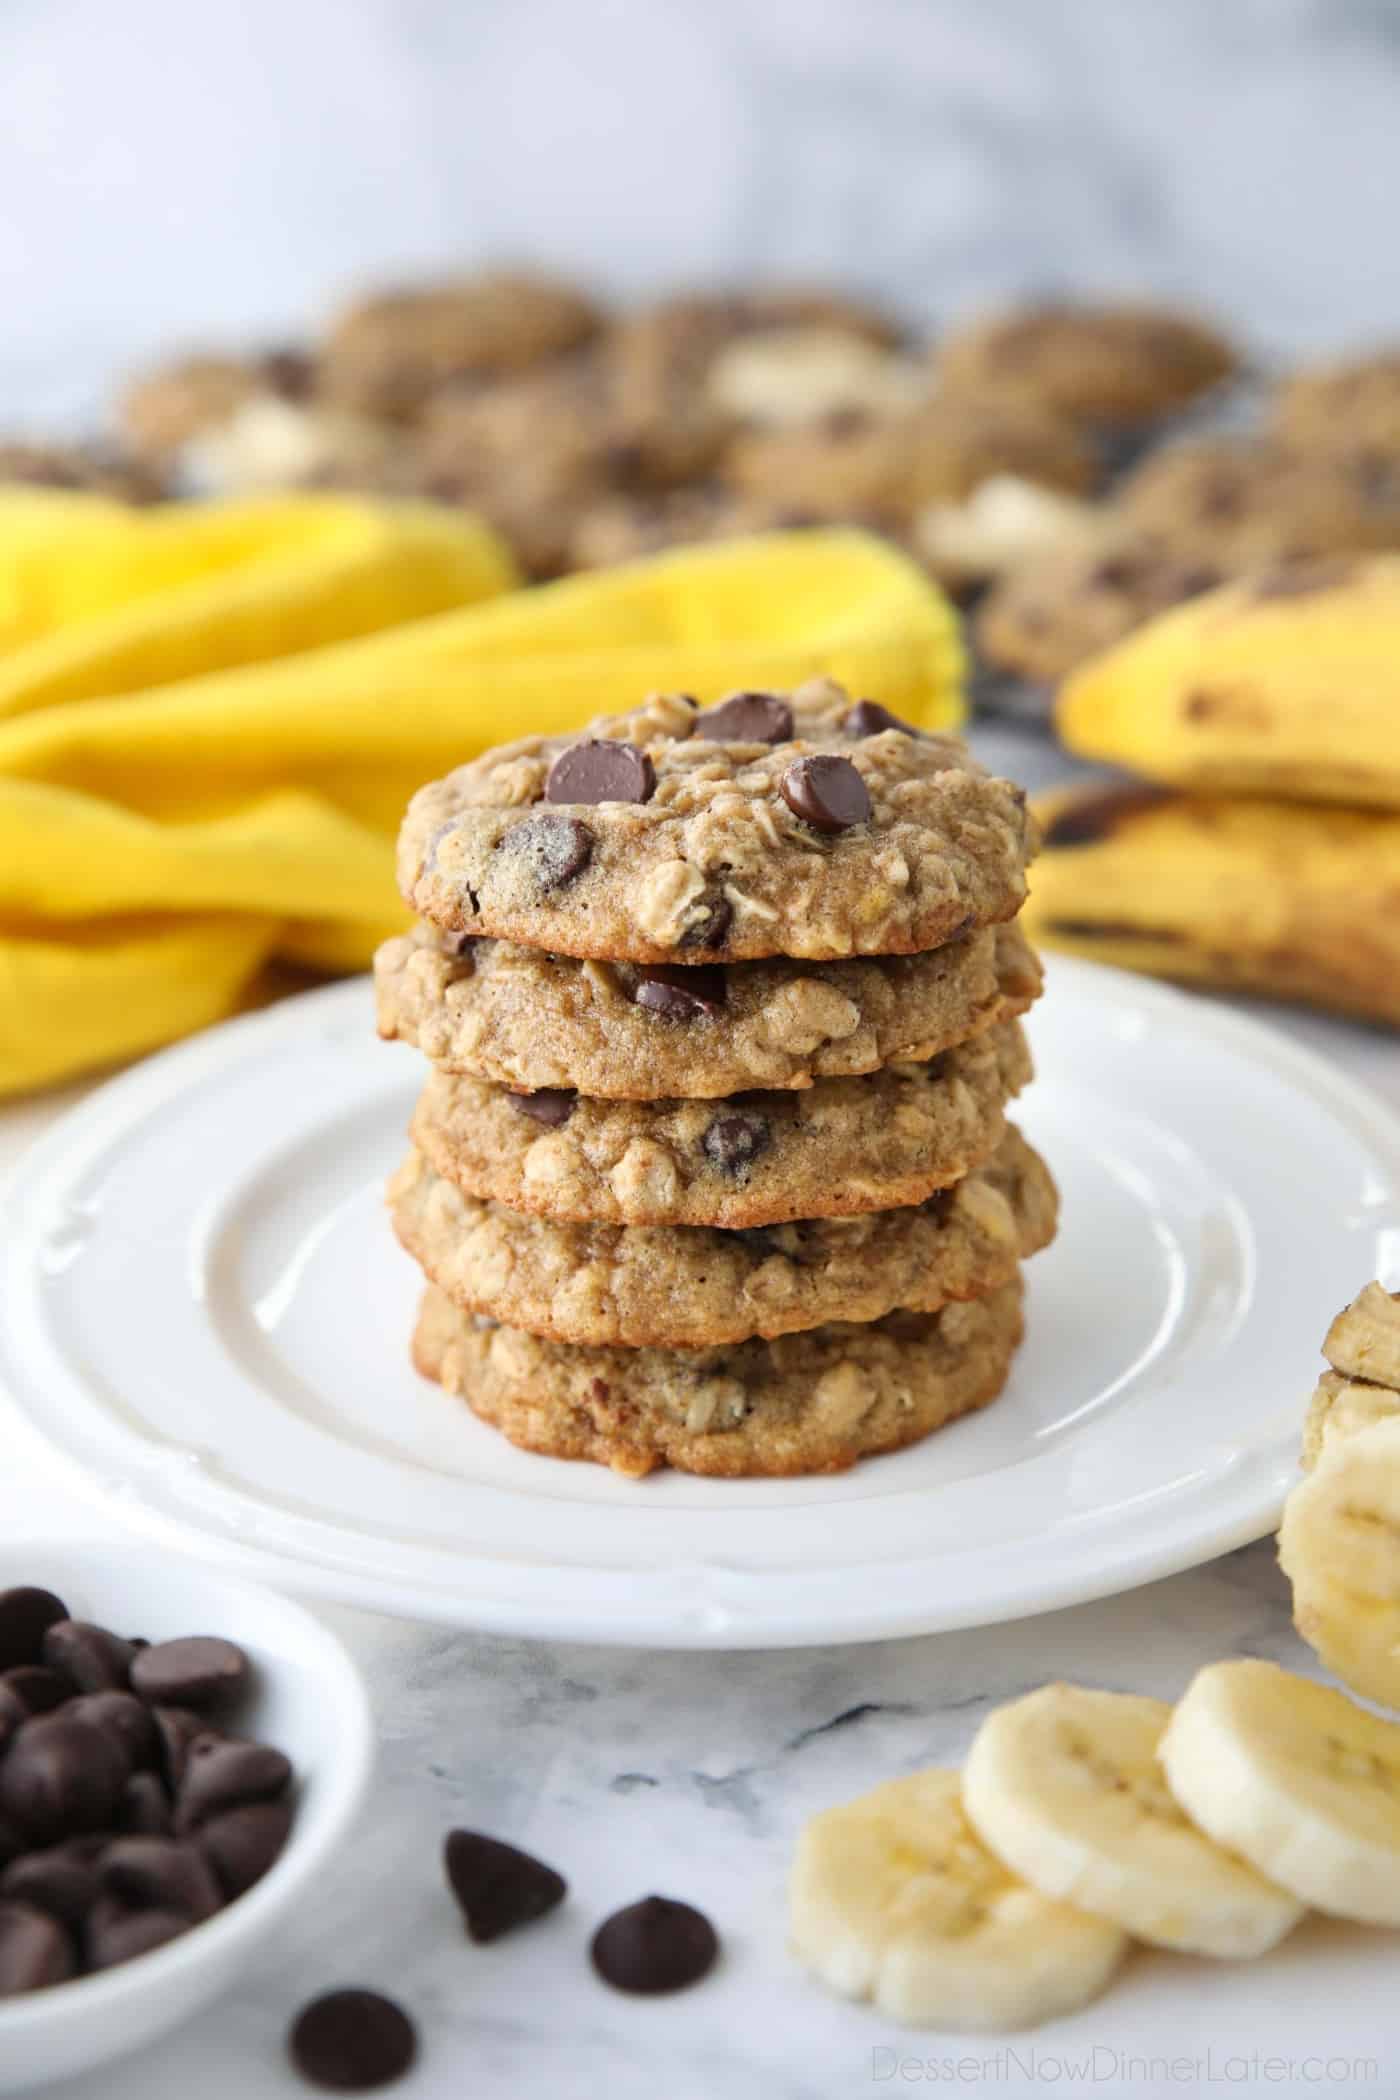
(1342, 1523)
(1339, 1408)
(1065, 1786)
(1297, 1778)
(895, 1899)
(1364, 1339)
(1357, 1638)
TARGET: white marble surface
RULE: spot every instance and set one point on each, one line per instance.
(689, 1775)
(172, 171)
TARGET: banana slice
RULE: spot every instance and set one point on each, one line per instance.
(1064, 1785)
(1339, 1408)
(1343, 1522)
(1356, 1637)
(1298, 1779)
(1364, 1340)
(895, 1899)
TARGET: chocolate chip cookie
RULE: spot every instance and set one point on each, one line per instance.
(526, 1019)
(91, 469)
(811, 825)
(803, 1403)
(162, 411)
(1060, 607)
(1111, 364)
(1243, 505)
(686, 1286)
(758, 1158)
(1348, 407)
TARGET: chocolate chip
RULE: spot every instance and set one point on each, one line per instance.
(243, 1844)
(747, 718)
(115, 1934)
(198, 1671)
(601, 770)
(734, 1142)
(222, 1773)
(35, 1951)
(352, 2041)
(159, 1873)
(868, 718)
(826, 792)
(38, 1690)
(26, 1615)
(655, 1945)
(60, 1777)
(497, 1885)
(550, 1105)
(554, 849)
(61, 1880)
(13, 1713)
(123, 1718)
(96, 1660)
(144, 1808)
(288, 372)
(176, 1729)
(1098, 814)
(710, 929)
(12, 1843)
(680, 992)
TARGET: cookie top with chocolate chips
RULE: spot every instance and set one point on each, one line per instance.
(768, 824)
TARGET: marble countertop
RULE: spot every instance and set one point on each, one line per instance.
(689, 1775)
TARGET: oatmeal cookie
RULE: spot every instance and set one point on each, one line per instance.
(1099, 364)
(90, 469)
(387, 354)
(1349, 408)
(686, 1286)
(526, 1019)
(811, 827)
(1241, 505)
(162, 411)
(760, 1158)
(1058, 608)
(804, 1403)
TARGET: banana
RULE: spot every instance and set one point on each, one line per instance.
(1343, 1521)
(1064, 1785)
(1358, 1638)
(1339, 1408)
(1364, 1339)
(895, 1899)
(1298, 1780)
(1279, 684)
(1266, 897)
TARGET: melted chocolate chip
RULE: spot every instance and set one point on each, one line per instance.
(655, 1945)
(734, 1142)
(681, 993)
(26, 1615)
(747, 718)
(1095, 817)
(710, 930)
(826, 792)
(498, 1886)
(352, 2041)
(199, 1671)
(601, 770)
(868, 718)
(554, 849)
(550, 1105)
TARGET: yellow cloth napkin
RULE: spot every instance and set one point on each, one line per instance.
(211, 719)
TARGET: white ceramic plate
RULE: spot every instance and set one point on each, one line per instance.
(206, 1315)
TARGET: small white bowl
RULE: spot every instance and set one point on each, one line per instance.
(309, 1701)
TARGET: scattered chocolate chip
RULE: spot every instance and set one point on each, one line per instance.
(176, 1729)
(601, 770)
(61, 1880)
(26, 1615)
(711, 928)
(826, 792)
(1098, 814)
(734, 1142)
(125, 1719)
(555, 849)
(243, 1844)
(223, 1773)
(35, 1951)
(159, 1873)
(747, 718)
(868, 718)
(38, 1690)
(681, 992)
(352, 2041)
(144, 1808)
(60, 1777)
(199, 1671)
(115, 1934)
(655, 1945)
(498, 1886)
(95, 1660)
(550, 1105)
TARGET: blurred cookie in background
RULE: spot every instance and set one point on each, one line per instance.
(1065, 604)
(1003, 523)
(787, 376)
(1243, 504)
(162, 411)
(1106, 364)
(1347, 406)
(90, 469)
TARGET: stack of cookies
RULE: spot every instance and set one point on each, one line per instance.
(712, 1169)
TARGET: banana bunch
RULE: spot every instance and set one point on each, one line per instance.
(1339, 1543)
(1273, 897)
(1284, 684)
(1084, 1820)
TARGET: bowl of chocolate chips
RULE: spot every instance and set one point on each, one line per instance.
(180, 1754)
